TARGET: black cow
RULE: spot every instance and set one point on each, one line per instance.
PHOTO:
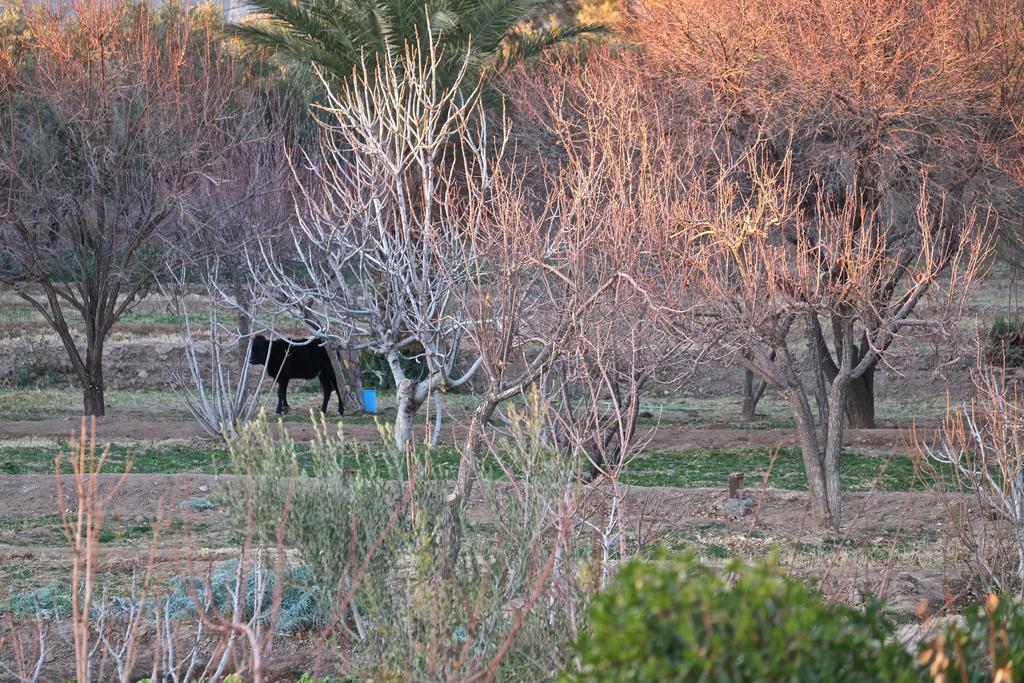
(288, 359)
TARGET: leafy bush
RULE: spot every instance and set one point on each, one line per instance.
(673, 619)
(988, 645)
(422, 593)
(39, 373)
(52, 601)
(377, 372)
(1005, 342)
(302, 605)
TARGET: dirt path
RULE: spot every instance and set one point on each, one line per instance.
(149, 495)
(867, 441)
(122, 430)
(875, 524)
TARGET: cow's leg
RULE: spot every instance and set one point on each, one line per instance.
(337, 389)
(330, 383)
(282, 396)
(328, 386)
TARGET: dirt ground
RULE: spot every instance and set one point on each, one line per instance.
(903, 525)
(867, 441)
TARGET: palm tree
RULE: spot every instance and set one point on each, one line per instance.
(334, 35)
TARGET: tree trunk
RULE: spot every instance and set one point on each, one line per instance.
(753, 389)
(860, 404)
(405, 413)
(749, 406)
(753, 392)
(860, 400)
(467, 463)
(813, 459)
(337, 360)
(435, 435)
(353, 376)
(244, 322)
(618, 433)
(451, 539)
(833, 453)
(92, 382)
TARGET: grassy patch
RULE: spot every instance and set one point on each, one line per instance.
(47, 531)
(17, 313)
(681, 469)
(697, 468)
(716, 542)
(51, 402)
(301, 416)
(443, 461)
(38, 398)
(155, 460)
(157, 317)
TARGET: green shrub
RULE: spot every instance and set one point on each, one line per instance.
(39, 373)
(52, 601)
(377, 372)
(424, 608)
(673, 619)
(1005, 343)
(302, 605)
(988, 645)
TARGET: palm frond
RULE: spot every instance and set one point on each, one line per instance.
(489, 22)
(525, 46)
(336, 34)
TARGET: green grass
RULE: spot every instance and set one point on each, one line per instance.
(158, 317)
(18, 313)
(697, 468)
(150, 316)
(682, 469)
(43, 402)
(145, 460)
(47, 530)
(444, 461)
(715, 542)
(51, 402)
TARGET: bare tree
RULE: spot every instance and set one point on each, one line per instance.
(245, 197)
(753, 391)
(556, 303)
(509, 281)
(220, 393)
(869, 105)
(982, 443)
(765, 290)
(98, 147)
(379, 226)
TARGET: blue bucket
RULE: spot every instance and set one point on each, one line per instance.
(370, 401)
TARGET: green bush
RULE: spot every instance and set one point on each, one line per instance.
(424, 607)
(52, 601)
(40, 373)
(988, 645)
(1005, 342)
(377, 373)
(302, 603)
(673, 619)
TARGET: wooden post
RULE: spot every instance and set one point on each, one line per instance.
(735, 484)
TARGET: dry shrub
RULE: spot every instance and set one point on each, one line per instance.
(981, 446)
(204, 624)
